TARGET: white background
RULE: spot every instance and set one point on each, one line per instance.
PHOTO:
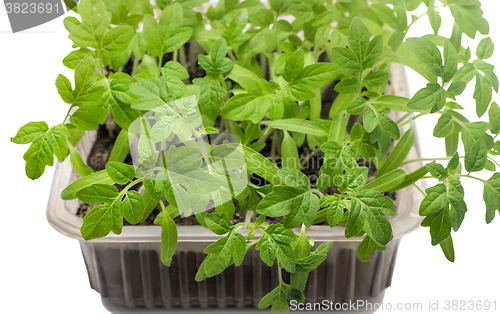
(43, 271)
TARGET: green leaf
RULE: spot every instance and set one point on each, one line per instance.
(98, 222)
(435, 20)
(450, 61)
(86, 93)
(356, 220)
(385, 14)
(156, 92)
(121, 148)
(100, 177)
(475, 160)
(456, 88)
(38, 156)
(411, 178)
(278, 298)
(299, 91)
(348, 86)
(217, 63)
(346, 59)
(382, 129)
(57, 136)
(95, 21)
(357, 106)
(289, 152)
(294, 66)
(248, 107)
(366, 249)
(267, 249)
(374, 205)
(319, 74)
(491, 196)
(485, 49)
(64, 88)
(299, 125)
(465, 73)
(373, 52)
(298, 203)
(133, 207)
(437, 170)
(119, 172)
(219, 224)
(75, 57)
(428, 97)
(173, 68)
(77, 162)
(97, 193)
(398, 154)
(168, 239)
(335, 211)
(482, 95)
(445, 126)
(167, 35)
(395, 103)
(494, 116)
(440, 226)
(117, 39)
(457, 210)
(435, 200)
(428, 53)
(359, 38)
(220, 253)
(447, 248)
(375, 79)
(30, 132)
(387, 181)
(260, 165)
(470, 19)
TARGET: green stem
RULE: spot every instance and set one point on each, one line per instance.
(232, 56)
(159, 65)
(424, 159)
(413, 118)
(418, 188)
(471, 177)
(304, 162)
(182, 52)
(134, 67)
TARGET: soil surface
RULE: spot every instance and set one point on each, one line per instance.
(107, 133)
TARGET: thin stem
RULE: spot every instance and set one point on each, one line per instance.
(403, 118)
(273, 147)
(175, 56)
(424, 159)
(159, 65)
(263, 65)
(418, 188)
(232, 56)
(413, 118)
(304, 162)
(469, 176)
(134, 67)
(182, 52)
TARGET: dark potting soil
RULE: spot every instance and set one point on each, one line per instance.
(106, 136)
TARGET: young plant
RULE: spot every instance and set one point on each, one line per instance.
(264, 87)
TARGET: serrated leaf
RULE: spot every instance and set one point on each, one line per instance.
(117, 39)
(168, 239)
(435, 200)
(482, 95)
(119, 172)
(97, 193)
(132, 207)
(485, 49)
(428, 53)
(300, 126)
(30, 132)
(475, 159)
(445, 126)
